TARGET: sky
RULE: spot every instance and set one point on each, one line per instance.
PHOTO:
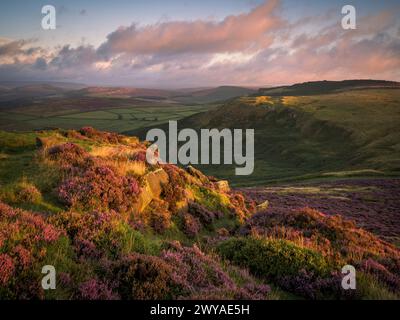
(184, 43)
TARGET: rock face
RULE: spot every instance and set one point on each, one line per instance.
(156, 180)
(153, 183)
(223, 186)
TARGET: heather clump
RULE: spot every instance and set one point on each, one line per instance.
(24, 237)
(21, 192)
(201, 276)
(174, 191)
(205, 216)
(311, 286)
(99, 187)
(96, 233)
(337, 239)
(332, 235)
(241, 207)
(158, 216)
(67, 154)
(144, 277)
(95, 289)
(101, 136)
(191, 225)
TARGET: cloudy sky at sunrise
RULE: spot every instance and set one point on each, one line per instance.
(177, 43)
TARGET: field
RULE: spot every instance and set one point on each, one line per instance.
(120, 117)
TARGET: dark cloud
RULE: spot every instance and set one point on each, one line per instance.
(67, 57)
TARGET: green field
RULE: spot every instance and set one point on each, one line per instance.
(113, 119)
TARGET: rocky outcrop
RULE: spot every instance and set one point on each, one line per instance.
(151, 188)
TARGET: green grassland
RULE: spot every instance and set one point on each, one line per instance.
(117, 119)
(297, 137)
(343, 134)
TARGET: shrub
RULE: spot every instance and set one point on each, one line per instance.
(21, 192)
(99, 187)
(337, 239)
(205, 216)
(311, 286)
(191, 225)
(139, 156)
(96, 233)
(144, 277)
(68, 154)
(273, 258)
(101, 136)
(159, 216)
(94, 289)
(240, 207)
(24, 238)
(174, 191)
(201, 276)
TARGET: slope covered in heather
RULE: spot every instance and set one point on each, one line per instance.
(115, 227)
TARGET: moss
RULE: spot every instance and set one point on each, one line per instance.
(211, 199)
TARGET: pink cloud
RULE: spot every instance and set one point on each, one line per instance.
(234, 33)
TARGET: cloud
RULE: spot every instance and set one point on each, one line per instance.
(78, 57)
(254, 48)
(234, 33)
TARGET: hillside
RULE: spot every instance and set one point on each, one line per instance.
(349, 133)
(115, 227)
(214, 94)
(324, 87)
(124, 92)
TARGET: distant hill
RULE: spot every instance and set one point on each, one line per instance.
(126, 92)
(215, 94)
(26, 90)
(61, 85)
(323, 87)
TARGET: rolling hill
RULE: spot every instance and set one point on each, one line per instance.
(346, 133)
(324, 87)
(214, 94)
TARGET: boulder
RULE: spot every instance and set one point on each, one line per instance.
(156, 180)
(222, 186)
(151, 189)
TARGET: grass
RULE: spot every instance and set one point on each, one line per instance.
(117, 119)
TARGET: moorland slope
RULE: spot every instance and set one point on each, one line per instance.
(115, 227)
